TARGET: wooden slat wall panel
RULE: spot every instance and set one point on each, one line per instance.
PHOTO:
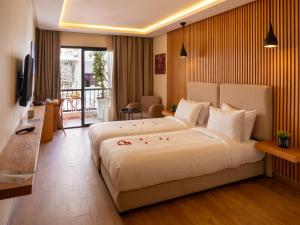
(228, 48)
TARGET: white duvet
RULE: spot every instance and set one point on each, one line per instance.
(99, 132)
(135, 162)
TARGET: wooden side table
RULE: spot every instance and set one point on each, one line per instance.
(50, 120)
(291, 154)
(167, 113)
(56, 114)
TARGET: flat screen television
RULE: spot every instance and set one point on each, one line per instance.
(25, 81)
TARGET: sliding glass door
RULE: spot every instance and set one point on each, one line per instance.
(85, 85)
(96, 86)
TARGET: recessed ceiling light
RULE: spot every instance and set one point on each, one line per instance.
(146, 30)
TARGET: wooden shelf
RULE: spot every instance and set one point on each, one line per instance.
(168, 113)
(20, 154)
(290, 154)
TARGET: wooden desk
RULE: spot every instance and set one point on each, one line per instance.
(20, 154)
(291, 154)
(168, 113)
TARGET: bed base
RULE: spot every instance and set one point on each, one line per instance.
(95, 157)
(127, 200)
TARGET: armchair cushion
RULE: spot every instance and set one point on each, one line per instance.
(155, 111)
(147, 101)
(150, 106)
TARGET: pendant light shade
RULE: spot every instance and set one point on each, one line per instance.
(183, 52)
(270, 41)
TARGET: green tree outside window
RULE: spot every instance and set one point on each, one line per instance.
(99, 70)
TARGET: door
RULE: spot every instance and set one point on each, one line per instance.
(85, 85)
(96, 86)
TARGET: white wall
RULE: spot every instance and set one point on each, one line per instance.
(16, 32)
(160, 80)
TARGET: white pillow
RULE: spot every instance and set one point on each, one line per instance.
(188, 111)
(249, 121)
(204, 113)
(229, 123)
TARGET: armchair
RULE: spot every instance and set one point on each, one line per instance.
(150, 105)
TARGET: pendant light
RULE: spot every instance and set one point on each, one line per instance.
(183, 53)
(270, 41)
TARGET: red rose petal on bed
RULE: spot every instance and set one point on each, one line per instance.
(160, 138)
(146, 142)
(141, 139)
(167, 139)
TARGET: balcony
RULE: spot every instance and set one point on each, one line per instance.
(95, 108)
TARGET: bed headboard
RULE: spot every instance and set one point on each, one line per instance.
(250, 97)
(204, 92)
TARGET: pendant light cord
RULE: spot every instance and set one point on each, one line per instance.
(270, 11)
(181, 34)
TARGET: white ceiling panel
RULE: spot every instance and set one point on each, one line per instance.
(128, 17)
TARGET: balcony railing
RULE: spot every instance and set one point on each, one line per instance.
(72, 98)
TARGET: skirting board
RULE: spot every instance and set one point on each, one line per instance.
(286, 181)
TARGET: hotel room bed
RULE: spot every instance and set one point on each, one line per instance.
(102, 131)
(158, 159)
(99, 132)
(163, 157)
(161, 166)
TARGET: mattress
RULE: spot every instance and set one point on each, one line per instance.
(99, 132)
(250, 154)
(136, 162)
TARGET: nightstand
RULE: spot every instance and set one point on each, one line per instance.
(167, 113)
(291, 154)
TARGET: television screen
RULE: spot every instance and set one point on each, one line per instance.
(27, 79)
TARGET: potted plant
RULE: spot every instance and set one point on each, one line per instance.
(284, 139)
(173, 107)
(101, 75)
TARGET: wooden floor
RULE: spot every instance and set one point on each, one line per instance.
(69, 191)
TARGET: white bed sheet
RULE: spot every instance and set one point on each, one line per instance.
(99, 132)
(250, 154)
(157, 158)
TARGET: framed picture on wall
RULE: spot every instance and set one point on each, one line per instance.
(160, 63)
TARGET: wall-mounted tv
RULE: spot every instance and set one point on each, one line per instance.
(25, 81)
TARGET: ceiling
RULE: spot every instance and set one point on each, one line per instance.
(128, 17)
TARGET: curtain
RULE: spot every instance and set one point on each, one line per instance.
(47, 80)
(110, 84)
(132, 70)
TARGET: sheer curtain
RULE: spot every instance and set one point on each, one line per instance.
(132, 71)
(110, 85)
